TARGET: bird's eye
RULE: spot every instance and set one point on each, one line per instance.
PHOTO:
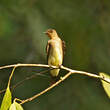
(51, 31)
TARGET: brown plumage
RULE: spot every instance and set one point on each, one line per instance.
(55, 51)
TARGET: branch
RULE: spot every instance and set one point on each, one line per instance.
(27, 78)
(47, 89)
(86, 73)
(27, 65)
(62, 67)
(70, 71)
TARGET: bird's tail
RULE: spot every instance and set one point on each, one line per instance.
(54, 72)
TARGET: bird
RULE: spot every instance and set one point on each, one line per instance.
(55, 51)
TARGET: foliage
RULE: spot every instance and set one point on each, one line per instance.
(105, 84)
(15, 106)
(6, 100)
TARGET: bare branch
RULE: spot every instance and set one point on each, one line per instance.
(27, 78)
(70, 71)
(11, 76)
(86, 73)
(47, 89)
(27, 65)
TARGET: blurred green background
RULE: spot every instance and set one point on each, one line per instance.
(85, 27)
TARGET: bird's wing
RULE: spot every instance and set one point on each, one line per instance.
(63, 47)
(48, 49)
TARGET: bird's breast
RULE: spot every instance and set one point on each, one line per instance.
(55, 56)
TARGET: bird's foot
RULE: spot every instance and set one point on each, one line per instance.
(60, 66)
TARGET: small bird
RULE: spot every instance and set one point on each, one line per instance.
(55, 51)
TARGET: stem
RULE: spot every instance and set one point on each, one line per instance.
(47, 89)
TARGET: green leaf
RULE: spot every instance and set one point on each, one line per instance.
(106, 85)
(6, 102)
(12, 107)
(16, 106)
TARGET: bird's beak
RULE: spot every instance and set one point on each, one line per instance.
(45, 32)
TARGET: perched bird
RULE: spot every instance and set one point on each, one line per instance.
(55, 51)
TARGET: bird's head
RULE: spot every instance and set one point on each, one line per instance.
(51, 33)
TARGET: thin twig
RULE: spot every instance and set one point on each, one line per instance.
(11, 76)
(27, 65)
(47, 89)
(27, 78)
(86, 73)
